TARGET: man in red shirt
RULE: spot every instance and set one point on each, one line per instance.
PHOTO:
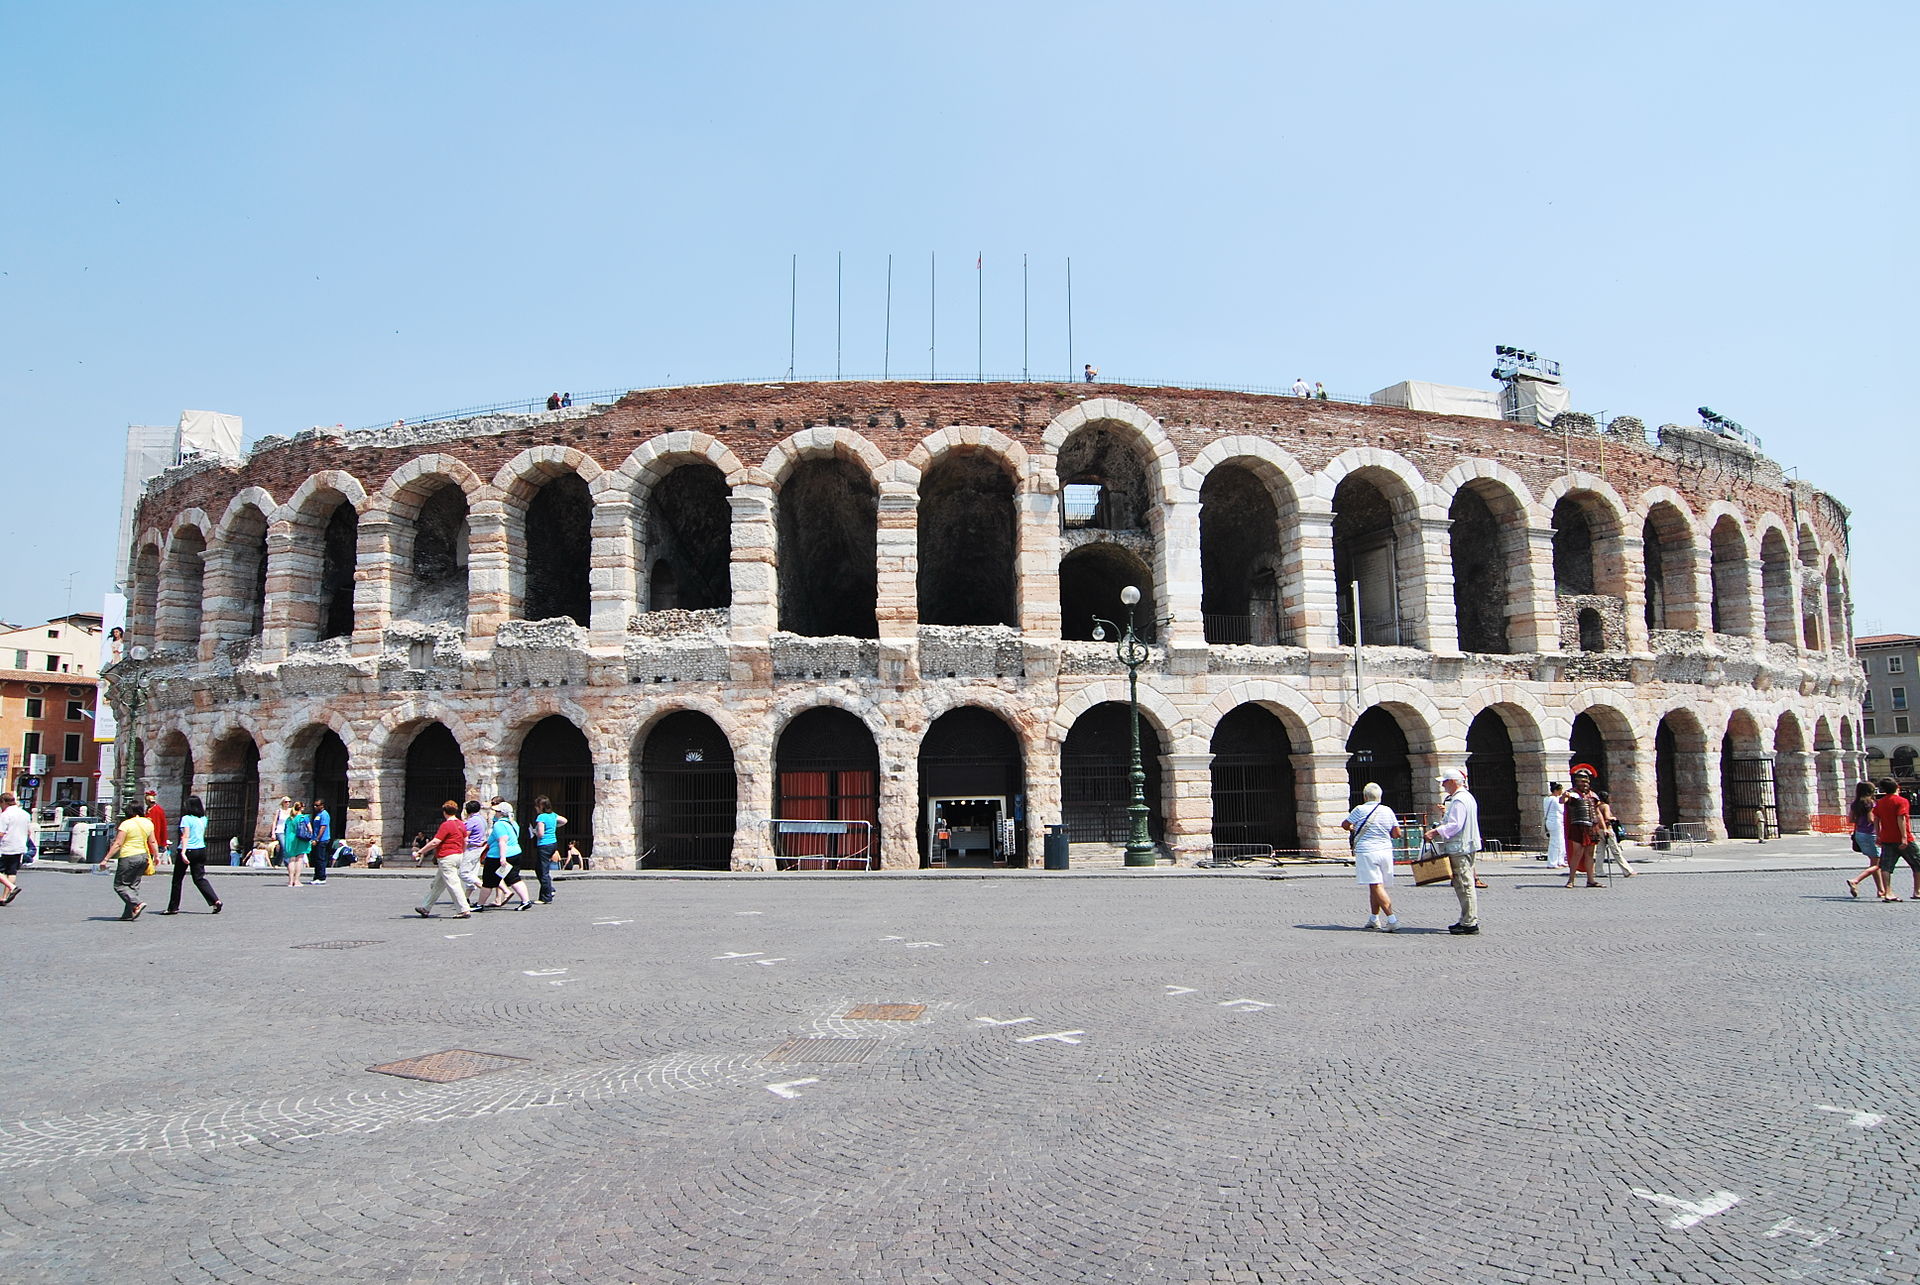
(447, 846)
(1893, 830)
(157, 815)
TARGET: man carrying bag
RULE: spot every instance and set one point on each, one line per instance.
(1457, 837)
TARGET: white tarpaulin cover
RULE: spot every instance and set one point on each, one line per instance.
(1443, 399)
(208, 432)
(1536, 401)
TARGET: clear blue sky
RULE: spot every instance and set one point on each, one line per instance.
(333, 212)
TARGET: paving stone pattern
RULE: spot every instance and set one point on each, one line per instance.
(1698, 1079)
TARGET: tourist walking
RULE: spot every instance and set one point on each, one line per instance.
(546, 843)
(135, 848)
(1609, 842)
(1371, 829)
(1893, 831)
(157, 815)
(192, 856)
(1867, 844)
(277, 850)
(472, 860)
(1582, 807)
(503, 849)
(1553, 818)
(1457, 837)
(16, 830)
(1300, 388)
(296, 840)
(321, 826)
(447, 848)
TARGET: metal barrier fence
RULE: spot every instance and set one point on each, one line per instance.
(802, 844)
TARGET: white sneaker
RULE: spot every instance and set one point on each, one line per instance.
(1373, 924)
(1392, 925)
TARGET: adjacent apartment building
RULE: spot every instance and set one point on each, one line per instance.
(1889, 717)
(49, 691)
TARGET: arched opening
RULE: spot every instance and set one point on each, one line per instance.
(1836, 608)
(231, 792)
(1240, 561)
(1776, 586)
(1901, 763)
(1482, 561)
(968, 543)
(1829, 783)
(1811, 611)
(1254, 789)
(1732, 581)
(1091, 578)
(689, 795)
(327, 780)
(243, 548)
(1667, 551)
(829, 576)
(972, 791)
(1666, 774)
(1103, 481)
(1680, 769)
(1592, 630)
(1494, 778)
(1748, 798)
(182, 589)
(1377, 753)
(1793, 776)
(555, 760)
(689, 541)
(1369, 547)
(436, 572)
(340, 553)
(1573, 569)
(436, 771)
(172, 772)
(1654, 551)
(144, 610)
(827, 768)
(559, 543)
(1587, 744)
(1095, 782)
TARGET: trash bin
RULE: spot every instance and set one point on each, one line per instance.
(1661, 839)
(99, 839)
(1056, 847)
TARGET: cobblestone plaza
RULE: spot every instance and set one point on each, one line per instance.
(1692, 1077)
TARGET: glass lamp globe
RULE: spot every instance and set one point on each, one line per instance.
(1130, 595)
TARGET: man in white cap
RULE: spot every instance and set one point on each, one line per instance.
(1458, 837)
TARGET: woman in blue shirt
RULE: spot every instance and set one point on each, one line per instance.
(192, 856)
(503, 845)
(546, 843)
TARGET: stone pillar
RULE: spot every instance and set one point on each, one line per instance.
(1793, 784)
(1439, 626)
(1322, 802)
(756, 600)
(1428, 797)
(612, 581)
(1697, 776)
(1690, 594)
(362, 814)
(1044, 806)
(490, 569)
(1632, 579)
(897, 564)
(223, 611)
(1530, 776)
(615, 839)
(379, 577)
(1038, 514)
(1188, 781)
(1835, 794)
(1632, 793)
(899, 799)
(292, 609)
(1534, 625)
(1311, 597)
(753, 792)
(1176, 537)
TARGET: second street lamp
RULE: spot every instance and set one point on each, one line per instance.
(1132, 653)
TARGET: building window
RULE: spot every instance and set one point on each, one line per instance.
(1866, 702)
(1899, 698)
(1866, 725)
(70, 749)
(34, 706)
(29, 744)
(1896, 664)
(75, 711)
(19, 660)
(53, 633)
(53, 664)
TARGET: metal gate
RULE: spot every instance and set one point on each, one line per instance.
(1748, 797)
(687, 815)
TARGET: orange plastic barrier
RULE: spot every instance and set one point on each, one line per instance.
(1827, 823)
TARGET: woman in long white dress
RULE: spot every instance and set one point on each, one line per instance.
(1371, 829)
(1554, 816)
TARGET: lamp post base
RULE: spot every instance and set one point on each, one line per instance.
(1140, 849)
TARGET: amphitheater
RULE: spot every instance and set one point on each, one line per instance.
(696, 616)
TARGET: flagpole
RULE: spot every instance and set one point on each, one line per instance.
(793, 305)
(979, 312)
(886, 350)
(1069, 318)
(933, 320)
(838, 255)
(1023, 318)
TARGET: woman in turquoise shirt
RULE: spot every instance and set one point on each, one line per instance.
(192, 856)
(293, 845)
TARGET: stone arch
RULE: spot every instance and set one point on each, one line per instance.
(1092, 577)
(1671, 558)
(1683, 783)
(827, 768)
(230, 784)
(1249, 569)
(1505, 770)
(971, 768)
(407, 485)
(967, 530)
(829, 443)
(1148, 434)
(1589, 556)
(314, 552)
(1378, 541)
(1255, 780)
(1793, 774)
(236, 591)
(1488, 519)
(547, 492)
(1167, 720)
(686, 788)
(1839, 633)
(1391, 744)
(143, 606)
(1007, 453)
(658, 456)
(424, 519)
(1748, 786)
(1777, 582)
(1731, 609)
(1304, 722)
(826, 519)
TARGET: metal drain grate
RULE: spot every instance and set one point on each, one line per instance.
(333, 945)
(453, 1064)
(824, 1050)
(885, 1012)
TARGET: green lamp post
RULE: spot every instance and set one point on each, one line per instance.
(1132, 653)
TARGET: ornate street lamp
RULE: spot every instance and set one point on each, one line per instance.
(1132, 653)
(136, 697)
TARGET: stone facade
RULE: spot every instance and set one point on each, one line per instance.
(1688, 612)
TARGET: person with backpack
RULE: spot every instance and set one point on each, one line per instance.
(296, 841)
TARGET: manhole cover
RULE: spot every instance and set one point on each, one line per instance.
(333, 945)
(885, 1012)
(824, 1050)
(454, 1064)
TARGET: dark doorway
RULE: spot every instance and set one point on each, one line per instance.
(1103, 481)
(1493, 779)
(688, 795)
(246, 541)
(829, 576)
(436, 771)
(1666, 774)
(690, 540)
(1593, 635)
(1572, 548)
(827, 768)
(1586, 745)
(1377, 752)
(1366, 549)
(968, 543)
(1239, 559)
(439, 589)
(232, 794)
(329, 781)
(1654, 558)
(341, 551)
(1480, 571)
(1748, 799)
(1091, 578)
(1254, 803)
(555, 760)
(183, 589)
(1095, 784)
(560, 551)
(972, 791)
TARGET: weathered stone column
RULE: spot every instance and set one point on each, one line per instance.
(1323, 802)
(224, 613)
(1633, 588)
(1176, 534)
(1310, 598)
(1834, 794)
(1793, 782)
(1044, 804)
(378, 576)
(292, 610)
(1530, 776)
(1039, 561)
(899, 799)
(489, 570)
(753, 786)
(1534, 625)
(361, 815)
(756, 603)
(612, 582)
(1438, 627)
(1188, 782)
(615, 845)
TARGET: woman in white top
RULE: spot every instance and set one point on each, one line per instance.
(1554, 816)
(1371, 829)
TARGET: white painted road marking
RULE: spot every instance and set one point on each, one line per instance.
(740, 954)
(913, 944)
(1003, 1021)
(786, 1090)
(777, 959)
(1814, 1239)
(1065, 1037)
(749, 912)
(451, 936)
(1182, 990)
(609, 923)
(1244, 1005)
(1858, 1119)
(1691, 1211)
(543, 972)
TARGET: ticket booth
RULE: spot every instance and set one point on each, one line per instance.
(975, 831)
